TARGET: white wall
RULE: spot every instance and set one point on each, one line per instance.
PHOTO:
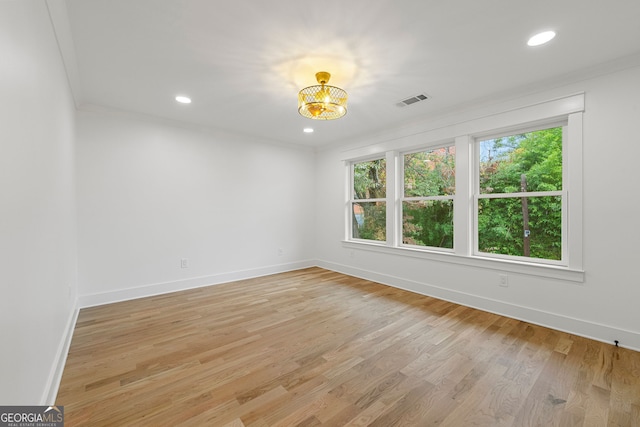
(37, 204)
(151, 193)
(605, 305)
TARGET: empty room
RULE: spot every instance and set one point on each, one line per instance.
(347, 213)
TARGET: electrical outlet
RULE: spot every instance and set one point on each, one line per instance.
(184, 263)
(504, 281)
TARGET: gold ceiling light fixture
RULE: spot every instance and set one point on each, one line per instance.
(321, 101)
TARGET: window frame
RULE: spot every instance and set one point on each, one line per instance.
(546, 113)
(352, 200)
(477, 195)
(403, 198)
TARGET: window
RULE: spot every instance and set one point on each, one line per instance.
(519, 195)
(427, 203)
(368, 200)
(506, 194)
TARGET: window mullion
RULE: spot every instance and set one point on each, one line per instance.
(417, 199)
(520, 195)
(462, 229)
(349, 201)
(392, 197)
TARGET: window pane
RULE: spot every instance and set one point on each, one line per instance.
(526, 162)
(502, 226)
(428, 223)
(370, 221)
(369, 179)
(430, 173)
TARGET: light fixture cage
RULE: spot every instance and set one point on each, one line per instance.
(322, 102)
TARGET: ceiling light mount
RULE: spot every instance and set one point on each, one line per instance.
(321, 101)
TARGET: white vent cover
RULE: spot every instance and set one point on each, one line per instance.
(413, 100)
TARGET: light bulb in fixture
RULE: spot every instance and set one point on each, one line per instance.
(307, 130)
(183, 99)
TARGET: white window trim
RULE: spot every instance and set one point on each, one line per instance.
(567, 109)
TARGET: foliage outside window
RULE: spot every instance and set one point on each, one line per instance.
(520, 195)
(368, 200)
(427, 203)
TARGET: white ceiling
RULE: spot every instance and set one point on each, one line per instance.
(243, 62)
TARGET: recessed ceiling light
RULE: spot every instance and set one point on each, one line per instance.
(307, 130)
(541, 38)
(183, 99)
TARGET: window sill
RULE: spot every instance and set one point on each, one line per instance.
(530, 269)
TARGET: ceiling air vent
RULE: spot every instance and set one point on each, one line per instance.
(412, 100)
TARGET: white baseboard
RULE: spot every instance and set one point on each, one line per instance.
(587, 329)
(55, 376)
(191, 283)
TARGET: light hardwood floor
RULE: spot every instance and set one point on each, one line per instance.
(318, 348)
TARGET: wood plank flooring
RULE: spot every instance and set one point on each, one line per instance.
(318, 348)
